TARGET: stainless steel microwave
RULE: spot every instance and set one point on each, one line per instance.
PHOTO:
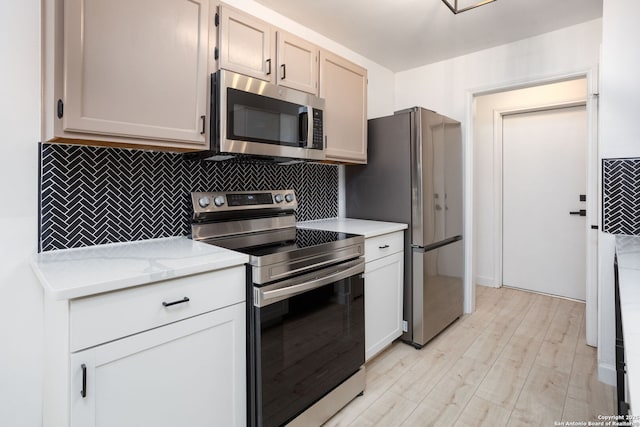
(252, 117)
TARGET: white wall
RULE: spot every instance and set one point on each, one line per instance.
(444, 86)
(620, 80)
(21, 304)
(619, 137)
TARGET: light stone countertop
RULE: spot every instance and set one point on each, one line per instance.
(363, 227)
(80, 272)
(628, 253)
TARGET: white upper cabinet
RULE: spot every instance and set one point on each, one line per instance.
(135, 69)
(257, 49)
(247, 44)
(343, 85)
(297, 63)
(136, 73)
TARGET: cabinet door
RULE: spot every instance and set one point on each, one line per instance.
(188, 373)
(136, 68)
(382, 302)
(246, 45)
(344, 87)
(297, 63)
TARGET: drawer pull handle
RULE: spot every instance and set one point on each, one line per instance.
(383, 247)
(169, 304)
(83, 392)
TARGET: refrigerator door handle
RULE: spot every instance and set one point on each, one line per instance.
(436, 245)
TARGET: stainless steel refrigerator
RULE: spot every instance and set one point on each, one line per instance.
(414, 176)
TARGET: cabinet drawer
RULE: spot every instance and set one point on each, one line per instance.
(386, 244)
(106, 317)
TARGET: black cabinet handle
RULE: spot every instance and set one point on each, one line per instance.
(284, 72)
(83, 392)
(269, 66)
(383, 247)
(60, 108)
(169, 304)
(581, 212)
(204, 120)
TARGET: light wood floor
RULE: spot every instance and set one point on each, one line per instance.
(519, 360)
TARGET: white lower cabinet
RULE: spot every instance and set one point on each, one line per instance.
(166, 354)
(189, 373)
(384, 275)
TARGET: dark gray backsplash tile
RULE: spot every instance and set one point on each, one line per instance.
(92, 195)
(621, 196)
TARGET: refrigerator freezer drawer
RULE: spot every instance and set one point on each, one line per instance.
(437, 286)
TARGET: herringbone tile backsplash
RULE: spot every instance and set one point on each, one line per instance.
(92, 195)
(621, 196)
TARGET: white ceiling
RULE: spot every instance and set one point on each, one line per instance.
(403, 34)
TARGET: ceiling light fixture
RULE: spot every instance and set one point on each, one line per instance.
(457, 6)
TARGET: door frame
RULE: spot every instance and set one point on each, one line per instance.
(498, 162)
(593, 170)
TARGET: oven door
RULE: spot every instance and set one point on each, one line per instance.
(309, 338)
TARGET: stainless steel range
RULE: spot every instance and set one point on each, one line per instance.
(305, 299)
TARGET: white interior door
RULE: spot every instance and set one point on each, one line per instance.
(544, 174)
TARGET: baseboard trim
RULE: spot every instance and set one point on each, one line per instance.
(607, 373)
(486, 281)
(545, 294)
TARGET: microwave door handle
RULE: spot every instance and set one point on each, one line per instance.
(303, 126)
(309, 126)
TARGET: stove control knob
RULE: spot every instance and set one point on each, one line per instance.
(289, 198)
(204, 201)
(278, 198)
(218, 201)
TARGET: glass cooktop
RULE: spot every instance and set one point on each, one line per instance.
(301, 239)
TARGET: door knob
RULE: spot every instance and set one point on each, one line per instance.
(581, 212)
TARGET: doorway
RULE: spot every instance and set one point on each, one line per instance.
(488, 110)
(544, 155)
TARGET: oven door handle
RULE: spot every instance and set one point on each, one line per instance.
(278, 291)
